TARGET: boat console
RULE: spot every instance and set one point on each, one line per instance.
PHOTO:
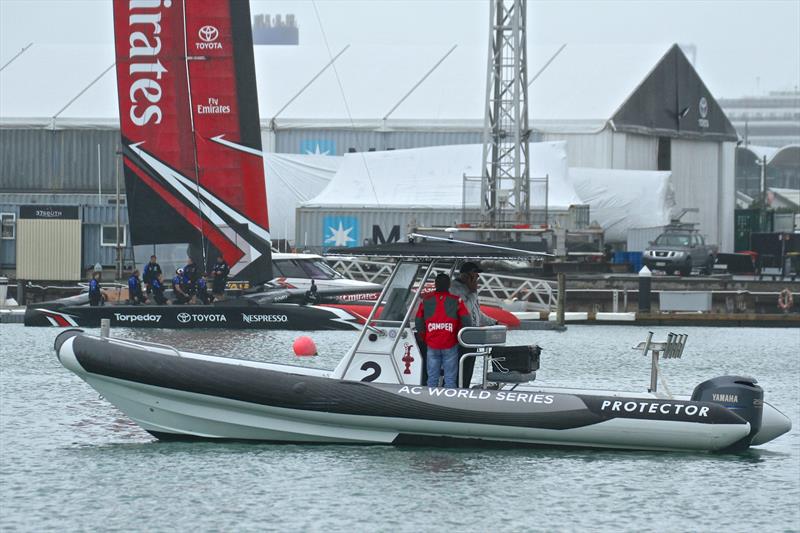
(501, 363)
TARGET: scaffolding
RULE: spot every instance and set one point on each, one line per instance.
(505, 184)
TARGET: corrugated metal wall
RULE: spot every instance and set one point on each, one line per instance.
(695, 177)
(60, 198)
(639, 238)
(58, 160)
(586, 150)
(641, 152)
(727, 196)
(94, 253)
(338, 142)
(94, 217)
(49, 250)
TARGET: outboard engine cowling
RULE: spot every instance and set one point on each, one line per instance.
(739, 394)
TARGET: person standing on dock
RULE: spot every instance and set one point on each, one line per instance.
(220, 273)
(151, 271)
(439, 318)
(466, 288)
(95, 294)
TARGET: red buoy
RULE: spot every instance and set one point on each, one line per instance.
(304, 346)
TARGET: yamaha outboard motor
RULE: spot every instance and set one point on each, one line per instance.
(739, 394)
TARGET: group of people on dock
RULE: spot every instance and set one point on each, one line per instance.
(189, 285)
(440, 316)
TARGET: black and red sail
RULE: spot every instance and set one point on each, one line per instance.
(190, 128)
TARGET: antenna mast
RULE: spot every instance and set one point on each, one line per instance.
(505, 183)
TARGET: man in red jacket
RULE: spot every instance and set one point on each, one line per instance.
(439, 318)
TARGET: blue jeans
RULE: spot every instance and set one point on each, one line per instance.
(443, 357)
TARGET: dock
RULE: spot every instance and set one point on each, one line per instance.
(762, 320)
(12, 315)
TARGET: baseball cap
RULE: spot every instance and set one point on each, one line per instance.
(470, 267)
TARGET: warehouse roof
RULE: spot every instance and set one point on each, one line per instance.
(786, 156)
(584, 87)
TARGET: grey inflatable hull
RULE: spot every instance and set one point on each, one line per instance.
(176, 395)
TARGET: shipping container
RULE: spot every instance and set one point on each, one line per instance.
(320, 228)
(49, 243)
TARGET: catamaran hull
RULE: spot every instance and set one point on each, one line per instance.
(283, 316)
(176, 396)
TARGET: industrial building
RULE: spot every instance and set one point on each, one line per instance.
(771, 120)
(617, 107)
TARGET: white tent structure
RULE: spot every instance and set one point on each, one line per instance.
(434, 178)
(623, 199)
(377, 194)
(291, 180)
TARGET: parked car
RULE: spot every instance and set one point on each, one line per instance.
(680, 251)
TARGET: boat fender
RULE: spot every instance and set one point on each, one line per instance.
(64, 336)
(739, 394)
(304, 346)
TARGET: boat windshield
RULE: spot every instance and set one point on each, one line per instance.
(319, 269)
(399, 293)
(304, 268)
(673, 239)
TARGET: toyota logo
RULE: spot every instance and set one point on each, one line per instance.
(184, 317)
(703, 107)
(208, 34)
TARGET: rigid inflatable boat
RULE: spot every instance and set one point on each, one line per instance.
(375, 394)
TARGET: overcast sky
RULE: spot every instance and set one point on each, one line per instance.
(743, 47)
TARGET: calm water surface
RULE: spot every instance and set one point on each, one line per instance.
(70, 461)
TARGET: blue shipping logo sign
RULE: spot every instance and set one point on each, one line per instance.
(340, 231)
(318, 147)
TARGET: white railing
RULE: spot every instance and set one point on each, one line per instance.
(519, 293)
(363, 269)
(535, 294)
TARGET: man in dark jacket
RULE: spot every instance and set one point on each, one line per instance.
(179, 288)
(439, 318)
(220, 277)
(150, 272)
(158, 290)
(202, 291)
(95, 294)
(466, 288)
(135, 295)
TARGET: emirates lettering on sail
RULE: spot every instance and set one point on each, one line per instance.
(145, 68)
(191, 136)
